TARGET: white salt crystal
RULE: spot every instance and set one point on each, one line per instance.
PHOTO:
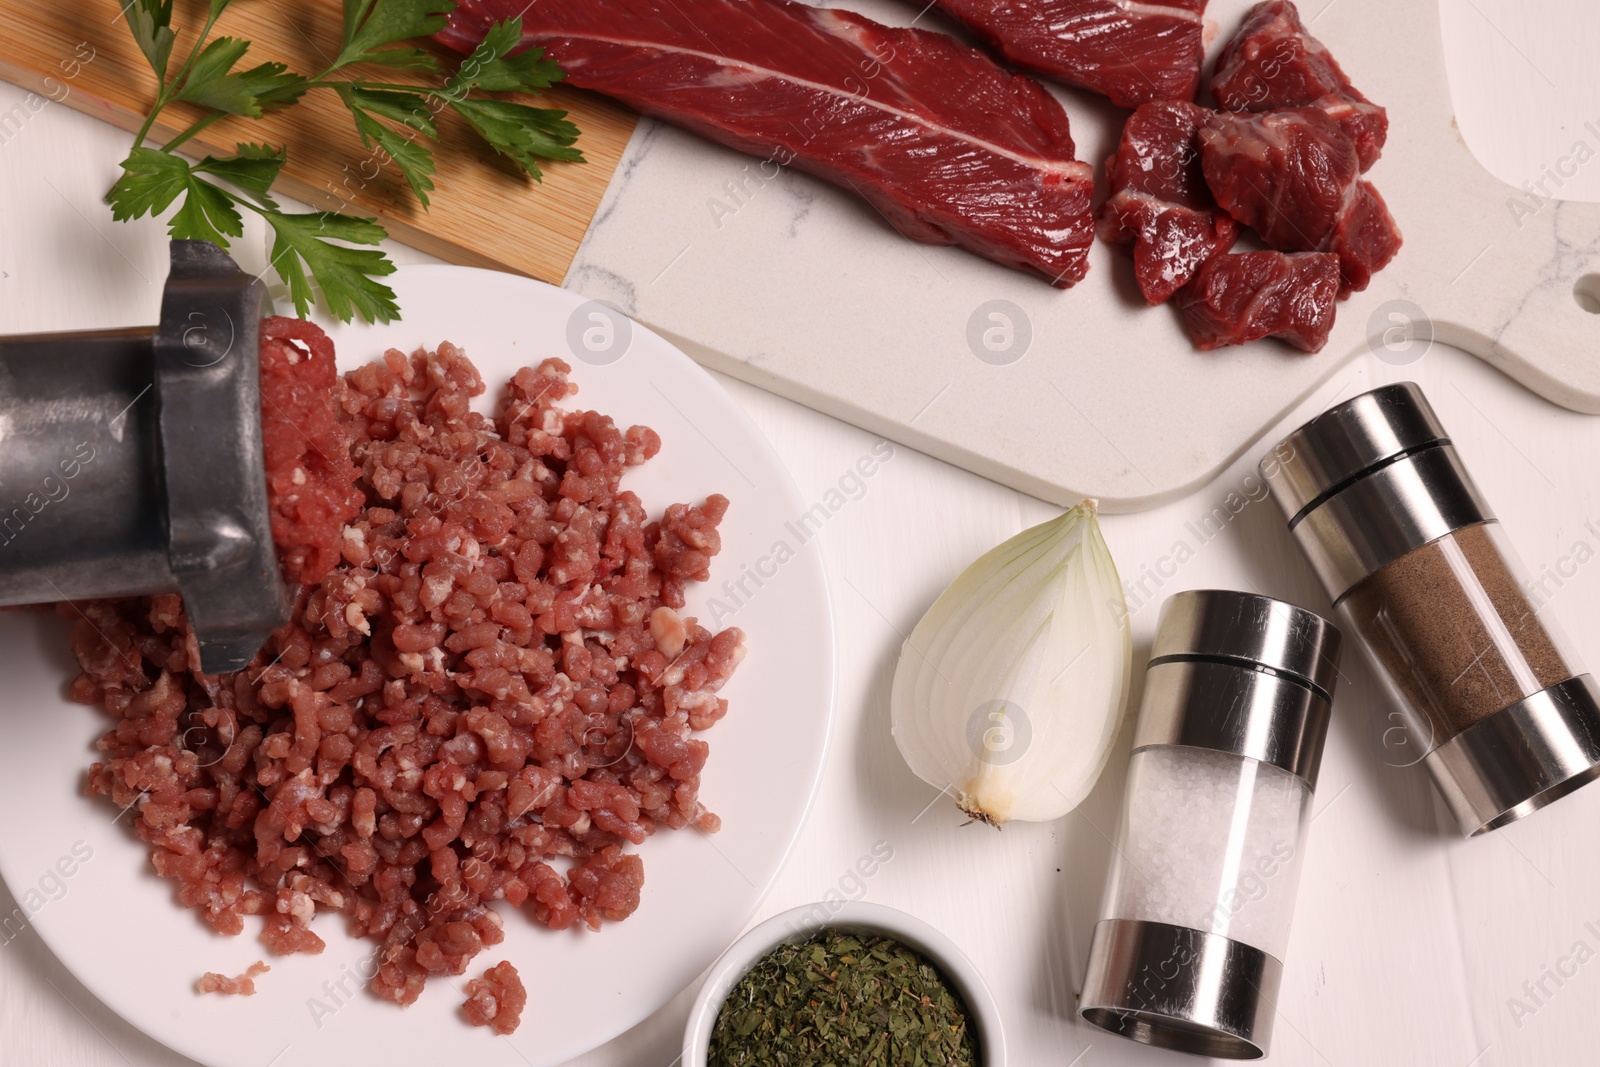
(1212, 841)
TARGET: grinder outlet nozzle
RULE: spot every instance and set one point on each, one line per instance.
(131, 462)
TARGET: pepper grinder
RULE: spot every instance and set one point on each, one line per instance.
(1421, 572)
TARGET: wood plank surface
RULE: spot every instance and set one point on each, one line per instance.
(483, 213)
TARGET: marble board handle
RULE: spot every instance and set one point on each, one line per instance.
(1510, 275)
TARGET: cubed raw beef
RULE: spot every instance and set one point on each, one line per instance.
(1159, 202)
(1273, 62)
(1366, 238)
(1246, 296)
(1294, 178)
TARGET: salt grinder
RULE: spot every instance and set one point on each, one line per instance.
(1421, 572)
(1188, 952)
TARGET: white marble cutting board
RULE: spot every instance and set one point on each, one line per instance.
(802, 289)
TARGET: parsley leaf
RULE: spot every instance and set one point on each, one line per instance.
(322, 250)
(413, 159)
(252, 167)
(404, 59)
(207, 214)
(490, 68)
(369, 25)
(151, 180)
(347, 275)
(354, 12)
(150, 22)
(212, 82)
(410, 109)
(521, 133)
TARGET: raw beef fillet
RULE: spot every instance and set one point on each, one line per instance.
(1159, 201)
(1133, 51)
(1294, 178)
(1272, 63)
(1250, 295)
(949, 146)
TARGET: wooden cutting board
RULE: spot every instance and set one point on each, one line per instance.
(484, 213)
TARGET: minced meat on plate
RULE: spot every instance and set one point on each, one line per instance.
(490, 696)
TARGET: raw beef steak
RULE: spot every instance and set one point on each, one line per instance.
(1133, 51)
(947, 145)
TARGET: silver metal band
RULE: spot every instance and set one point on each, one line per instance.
(1179, 988)
(1267, 717)
(1346, 441)
(1252, 628)
(1397, 508)
(1518, 760)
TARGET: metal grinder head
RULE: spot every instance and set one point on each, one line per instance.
(131, 462)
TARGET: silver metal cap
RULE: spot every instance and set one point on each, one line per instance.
(1179, 988)
(1516, 761)
(1368, 481)
(1347, 440)
(1240, 673)
(1255, 630)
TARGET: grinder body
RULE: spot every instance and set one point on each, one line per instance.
(131, 462)
(80, 478)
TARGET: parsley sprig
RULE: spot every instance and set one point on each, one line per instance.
(325, 249)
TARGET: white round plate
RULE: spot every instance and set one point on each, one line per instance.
(85, 884)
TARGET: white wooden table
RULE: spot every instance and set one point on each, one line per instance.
(1411, 946)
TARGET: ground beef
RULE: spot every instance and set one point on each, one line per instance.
(496, 1000)
(490, 697)
(242, 985)
(310, 479)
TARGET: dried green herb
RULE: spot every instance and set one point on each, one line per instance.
(843, 998)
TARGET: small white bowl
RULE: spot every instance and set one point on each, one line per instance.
(799, 923)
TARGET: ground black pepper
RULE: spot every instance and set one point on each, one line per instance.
(1451, 625)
